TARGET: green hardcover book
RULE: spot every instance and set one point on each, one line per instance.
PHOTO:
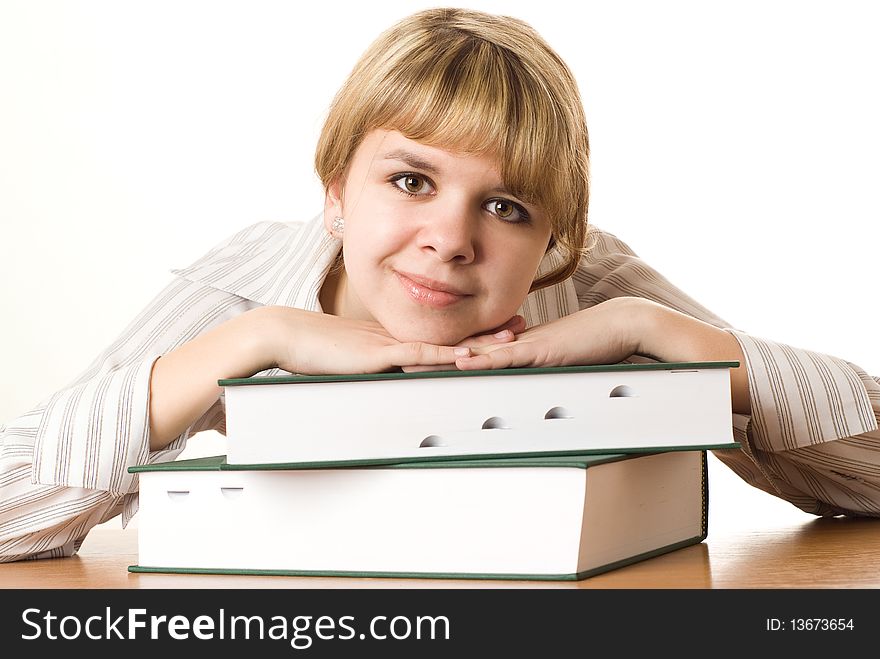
(389, 418)
(537, 518)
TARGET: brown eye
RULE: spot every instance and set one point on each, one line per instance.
(504, 209)
(413, 183)
(507, 210)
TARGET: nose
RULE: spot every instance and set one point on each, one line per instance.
(449, 234)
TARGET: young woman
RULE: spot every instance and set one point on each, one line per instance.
(454, 234)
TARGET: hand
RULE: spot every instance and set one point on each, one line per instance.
(500, 335)
(604, 334)
(315, 343)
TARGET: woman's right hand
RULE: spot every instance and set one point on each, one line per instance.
(315, 343)
(184, 381)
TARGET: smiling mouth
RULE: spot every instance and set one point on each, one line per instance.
(430, 293)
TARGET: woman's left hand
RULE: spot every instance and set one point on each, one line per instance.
(607, 333)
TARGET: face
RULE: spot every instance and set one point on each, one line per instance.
(435, 248)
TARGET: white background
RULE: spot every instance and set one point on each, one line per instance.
(735, 147)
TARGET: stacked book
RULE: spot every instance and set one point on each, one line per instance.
(551, 474)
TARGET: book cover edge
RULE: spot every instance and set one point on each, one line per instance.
(579, 459)
(573, 576)
(371, 377)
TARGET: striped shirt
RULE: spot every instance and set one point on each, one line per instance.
(811, 437)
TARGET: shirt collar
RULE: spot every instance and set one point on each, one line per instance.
(273, 263)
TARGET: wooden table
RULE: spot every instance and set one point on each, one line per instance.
(819, 553)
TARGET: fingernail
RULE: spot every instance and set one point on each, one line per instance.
(503, 334)
(462, 352)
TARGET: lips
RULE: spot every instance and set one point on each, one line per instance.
(430, 292)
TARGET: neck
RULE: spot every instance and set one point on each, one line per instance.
(332, 293)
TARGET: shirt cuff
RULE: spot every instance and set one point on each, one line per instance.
(802, 398)
(92, 431)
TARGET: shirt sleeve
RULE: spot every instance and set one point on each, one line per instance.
(812, 437)
(64, 464)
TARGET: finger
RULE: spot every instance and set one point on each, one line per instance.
(515, 324)
(424, 354)
(502, 334)
(483, 340)
(504, 357)
(423, 369)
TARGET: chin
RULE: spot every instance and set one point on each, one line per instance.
(435, 333)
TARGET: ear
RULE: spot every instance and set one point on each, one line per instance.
(333, 204)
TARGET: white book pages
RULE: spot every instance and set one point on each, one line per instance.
(509, 520)
(605, 412)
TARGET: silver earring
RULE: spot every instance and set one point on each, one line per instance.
(338, 225)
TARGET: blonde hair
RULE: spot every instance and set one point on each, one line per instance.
(477, 83)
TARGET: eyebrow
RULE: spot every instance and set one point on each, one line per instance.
(418, 162)
(413, 160)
